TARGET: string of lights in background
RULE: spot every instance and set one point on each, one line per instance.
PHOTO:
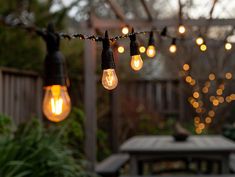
(56, 102)
(205, 117)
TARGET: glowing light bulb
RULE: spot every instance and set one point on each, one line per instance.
(186, 67)
(172, 48)
(199, 41)
(56, 103)
(211, 76)
(125, 30)
(121, 49)
(136, 62)
(228, 75)
(181, 29)
(109, 79)
(142, 49)
(228, 46)
(151, 51)
(203, 47)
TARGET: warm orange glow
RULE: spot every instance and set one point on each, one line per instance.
(211, 113)
(232, 96)
(201, 126)
(125, 30)
(188, 79)
(142, 49)
(211, 77)
(215, 102)
(199, 41)
(197, 119)
(56, 103)
(228, 46)
(195, 104)
(136, 62)
(228, 75)
(193, 82)
(198, 131)
(203, 47)
(181, 29)
(221, 86)
(109, 79)
(228, 99)
(196, 95)
(207, 84)
(219, 91)
(151, 51)
(172, 48)
(208, 120)
(205, 90)
(199, 110)
(186, 67)
(221, 99)
(121, 49)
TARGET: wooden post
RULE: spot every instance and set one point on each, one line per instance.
(90, 101)
(114, 108)
(1, 92)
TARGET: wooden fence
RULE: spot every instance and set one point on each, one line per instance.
(164, 96)
(20, 94)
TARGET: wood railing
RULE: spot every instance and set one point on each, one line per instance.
(20, 94)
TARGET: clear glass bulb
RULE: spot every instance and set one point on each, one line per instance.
(56, 103)
(173, 48)
(151, 51)
(199, 41)
(136, 62)
(109, 79)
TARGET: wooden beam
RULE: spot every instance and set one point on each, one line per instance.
(117, 9)
(90, 101)
(147, 10)
(112, 24)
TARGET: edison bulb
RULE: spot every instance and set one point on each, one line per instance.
(125, 30)
(142, 49)
(228, 46)
(173, 48)
(136, 62)
(181, 29)
(121, 49)
(151, 51)
(109, 79)
(203, 47)
(56, 103)
(199, 41)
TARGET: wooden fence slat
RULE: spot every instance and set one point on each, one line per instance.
(1, 92)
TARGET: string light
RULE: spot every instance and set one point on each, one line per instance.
(151, 50)
(203, 47)
(186, 67)
(199, 40)
(56, 102)
(228, 46)
(136, 60)
(142, 49)
(173, 47)
(125, 30)
(211, 113)
(196, 95)
(181, 29)
(211, 77)
(208, 120)
(109, 77)
(228, 76)
(121, 49)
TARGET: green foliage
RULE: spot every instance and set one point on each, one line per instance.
(33, 151)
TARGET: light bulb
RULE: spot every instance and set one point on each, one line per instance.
(56, 103)
(172, 48)
(121, 49)
(199, 41)
(142, 49)
(181, 29)
(203, 47)
(136, 62)
(109, 79)
(125, 30)
(228, 46)
(151, 51)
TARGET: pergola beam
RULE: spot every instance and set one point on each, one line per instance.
(147, 10)
(112, 23)
(117, 9)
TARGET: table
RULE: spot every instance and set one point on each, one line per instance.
(154, 147)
